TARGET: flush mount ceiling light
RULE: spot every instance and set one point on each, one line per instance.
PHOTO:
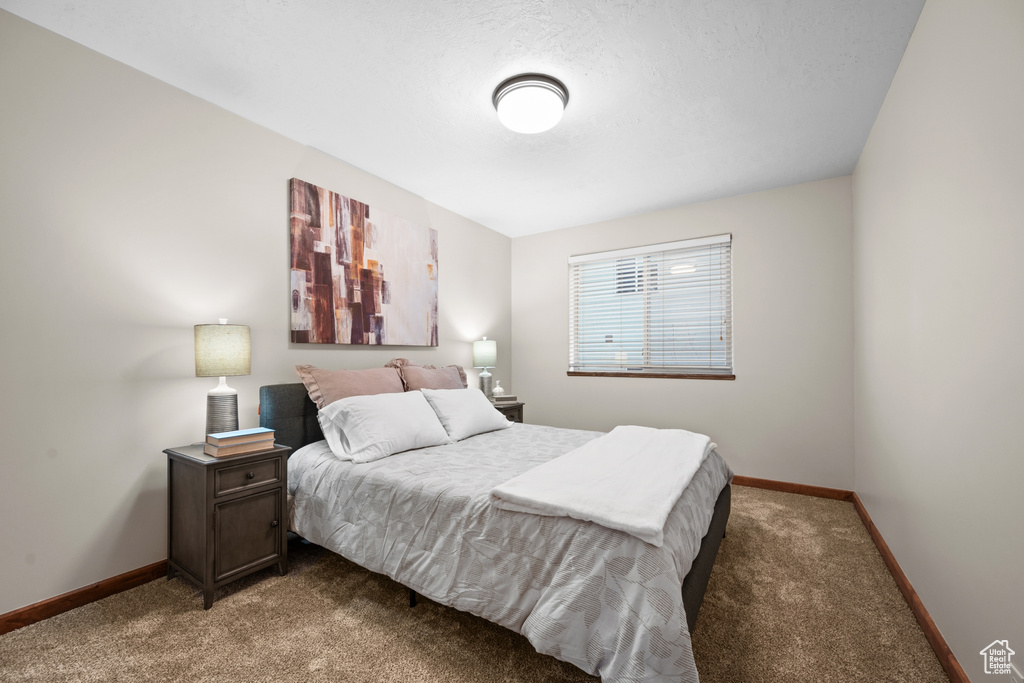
(530, 103)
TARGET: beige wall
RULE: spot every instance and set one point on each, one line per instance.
(130, 212)
(939, 350)
(788, 414)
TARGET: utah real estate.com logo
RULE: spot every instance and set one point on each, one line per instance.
(997, 657)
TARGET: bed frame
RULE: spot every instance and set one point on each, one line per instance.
(287, 409)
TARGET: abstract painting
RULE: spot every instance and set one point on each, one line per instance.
(359, 275)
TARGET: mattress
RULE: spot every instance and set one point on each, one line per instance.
(600, 599)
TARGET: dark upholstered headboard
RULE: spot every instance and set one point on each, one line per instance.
(287, 410)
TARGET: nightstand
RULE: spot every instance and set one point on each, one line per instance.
(513, 410)
(226, 517)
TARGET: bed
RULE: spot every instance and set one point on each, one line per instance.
(598, 598)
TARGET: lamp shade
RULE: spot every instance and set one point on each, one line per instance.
(222, 350)
(485, 353)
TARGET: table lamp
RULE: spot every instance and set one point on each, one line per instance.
(222, 351)
(485, 355)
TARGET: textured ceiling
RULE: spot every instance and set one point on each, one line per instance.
(671, 101)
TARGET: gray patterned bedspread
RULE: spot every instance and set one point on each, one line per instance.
(597, 598)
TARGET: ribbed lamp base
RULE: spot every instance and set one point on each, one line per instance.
(486, 380)
(221, 413)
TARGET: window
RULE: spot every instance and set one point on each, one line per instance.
(660, 310)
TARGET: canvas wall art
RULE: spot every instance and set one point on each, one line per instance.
(359, 275)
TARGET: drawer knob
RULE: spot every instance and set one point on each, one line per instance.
(274, 523)
(251, 475)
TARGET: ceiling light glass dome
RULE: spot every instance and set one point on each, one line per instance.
(530, 103)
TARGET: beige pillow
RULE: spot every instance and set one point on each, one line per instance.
(448, 377)
(428, 380)
(327, 386)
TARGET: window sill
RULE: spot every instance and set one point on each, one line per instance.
(659, 375)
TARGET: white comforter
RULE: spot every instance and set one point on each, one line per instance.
(595, 597)
(629, 479)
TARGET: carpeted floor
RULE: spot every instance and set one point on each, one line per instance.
(799, 593)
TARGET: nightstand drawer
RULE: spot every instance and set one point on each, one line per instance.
(513, 411)
(233, 479)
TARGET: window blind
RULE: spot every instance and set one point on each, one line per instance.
(658, 309)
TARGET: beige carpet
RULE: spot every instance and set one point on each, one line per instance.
(799, 593)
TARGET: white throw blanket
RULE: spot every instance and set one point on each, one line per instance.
(629, 479)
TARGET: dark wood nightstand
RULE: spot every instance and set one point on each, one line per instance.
(513, 410)
(226, 517)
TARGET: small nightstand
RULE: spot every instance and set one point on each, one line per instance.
(226, 517)
(513, 410)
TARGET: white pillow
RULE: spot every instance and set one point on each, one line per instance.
(465, 412)
(367, 428)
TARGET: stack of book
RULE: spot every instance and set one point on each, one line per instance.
(239, 442)
(506, 398)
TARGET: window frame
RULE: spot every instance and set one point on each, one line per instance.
(637, 278)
